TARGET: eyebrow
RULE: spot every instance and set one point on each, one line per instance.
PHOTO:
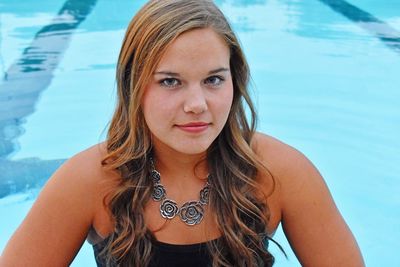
(174, 74)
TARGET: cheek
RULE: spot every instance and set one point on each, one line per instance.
(156, 110)
(226, 105)
(222, 105)
(149, 104)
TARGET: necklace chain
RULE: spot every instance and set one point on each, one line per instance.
(191, 212)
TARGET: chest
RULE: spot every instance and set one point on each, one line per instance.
(176, 231)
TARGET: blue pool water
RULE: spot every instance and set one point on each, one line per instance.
(325, 78)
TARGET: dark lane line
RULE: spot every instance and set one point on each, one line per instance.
(387, 34)
(20, 89)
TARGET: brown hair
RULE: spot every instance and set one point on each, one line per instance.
(233, 166)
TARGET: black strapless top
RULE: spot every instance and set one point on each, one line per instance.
(168, 255)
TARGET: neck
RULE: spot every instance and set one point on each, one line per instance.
(176, 166)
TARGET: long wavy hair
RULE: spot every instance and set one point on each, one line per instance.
(235, 192)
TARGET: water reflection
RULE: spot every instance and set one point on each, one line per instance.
(388, 35)
(25, 174)
(32, 73)
(315, 24)
(20, 89)
(241, 3)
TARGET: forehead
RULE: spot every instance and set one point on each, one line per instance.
(196, 48)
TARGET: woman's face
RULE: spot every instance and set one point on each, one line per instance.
(187, 102)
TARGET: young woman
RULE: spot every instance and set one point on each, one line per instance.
(183, 179)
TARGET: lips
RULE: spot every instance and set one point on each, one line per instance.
(194, 127)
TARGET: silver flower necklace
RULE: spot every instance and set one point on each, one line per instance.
(191, 212)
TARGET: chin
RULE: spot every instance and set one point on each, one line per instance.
(193, 148)
(185, 145)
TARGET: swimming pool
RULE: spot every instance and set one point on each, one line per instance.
(325, 78)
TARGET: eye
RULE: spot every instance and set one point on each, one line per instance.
(214, 80)
(170, 82)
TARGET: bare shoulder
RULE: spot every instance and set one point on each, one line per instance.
(84, 174)
(288, 165)
(271, 149)
(298, 180)
(311, 221)
(86, 167)
(284, 163)
(95, 182)
(59, 220)
(92, 156)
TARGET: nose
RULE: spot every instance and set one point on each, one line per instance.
(195, 100)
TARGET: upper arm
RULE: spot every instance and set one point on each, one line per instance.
(311, 221)
(58, 222)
